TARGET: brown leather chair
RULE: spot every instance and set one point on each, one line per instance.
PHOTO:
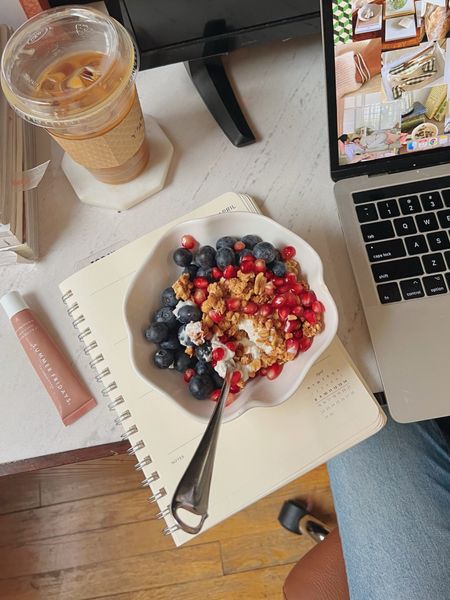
(320, 574)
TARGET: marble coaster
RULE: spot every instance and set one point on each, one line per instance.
(124, 195)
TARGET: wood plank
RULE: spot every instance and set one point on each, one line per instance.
(75, 517)
(63, 458)
(262, 584)
(88, 479)
(18, 492)
(180, 565)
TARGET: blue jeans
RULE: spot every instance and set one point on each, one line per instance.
(392, 499)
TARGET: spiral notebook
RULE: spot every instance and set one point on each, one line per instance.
(257, 453)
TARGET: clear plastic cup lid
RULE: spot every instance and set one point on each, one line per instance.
(65, 64)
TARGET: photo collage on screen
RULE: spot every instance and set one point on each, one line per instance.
(392, 60)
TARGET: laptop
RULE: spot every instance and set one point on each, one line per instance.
(389, 135)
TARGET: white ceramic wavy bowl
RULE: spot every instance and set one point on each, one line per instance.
(159, 271)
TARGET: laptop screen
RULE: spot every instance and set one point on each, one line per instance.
(390, 67)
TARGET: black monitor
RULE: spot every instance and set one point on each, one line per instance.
(198, 32)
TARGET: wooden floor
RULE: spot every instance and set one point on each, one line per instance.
(86, 531)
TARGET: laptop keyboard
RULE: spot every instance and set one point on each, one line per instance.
(406, 229)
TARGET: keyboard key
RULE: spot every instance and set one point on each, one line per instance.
(416, 244)
(397, 269)
(386, 250)
(444, 218)
(447, 277)
(388, 292)
(405, 226)
(446, 196)
(433, 263)
(438, 240)
(427, 222)
(409, 205)
(431, 201)
(388, 209)
(447, 258)
(412, 288)
(367, 212)
(373, 232)
(435, 285)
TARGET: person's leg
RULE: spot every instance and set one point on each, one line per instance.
(392, 499)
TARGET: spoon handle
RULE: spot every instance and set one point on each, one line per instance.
(192, 493)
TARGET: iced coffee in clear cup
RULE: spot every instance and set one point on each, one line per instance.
(72, 71)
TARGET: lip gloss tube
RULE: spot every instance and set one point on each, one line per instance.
(68, 392)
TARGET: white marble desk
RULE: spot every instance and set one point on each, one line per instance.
(286, 171)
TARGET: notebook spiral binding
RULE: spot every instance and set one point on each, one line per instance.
(110, 389)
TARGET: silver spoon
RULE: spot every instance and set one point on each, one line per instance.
(192, 493)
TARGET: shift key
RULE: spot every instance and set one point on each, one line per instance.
(397, 269)
(380, 230)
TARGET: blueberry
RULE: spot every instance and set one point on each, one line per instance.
(244, 252)
(206, 273)
(182, 361)
(226, 242)
(185, 340)
(265, 250)
(169, 298)
(191, 270)
(218, 380)
(172, 343)
(188, 313)
(182, 257)
(278, 268)
(163, 358)
(165, 315)
(203, 368)
(156, 332)
(204, 352)
(224, 257)
(206, 257)
(250, 241)
(201, 387)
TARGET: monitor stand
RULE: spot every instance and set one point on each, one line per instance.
(212, 83)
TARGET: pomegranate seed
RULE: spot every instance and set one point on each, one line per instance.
(223, 339)
(229, 272)
(215, 316)
(216, 273)
(290, 279)
(297, 288)
(292, 299)
(284, 312)
(251, 308)
(248, 266)
(247, 257)
(188, 242)
(273, 371)
(218, 354)
(305, 343)
(199, 296)
(260, 265)
(292, 347)
(268, 275)
(231, 346)
(298, 334)
(278, 281)
(235, 378)
(263, 371)
(279, 301)
(288, 252)
(215, 395)
(188, 375)
(282, 289)
(238, 246)
(201, 282)
(310, 316)
(269, 290)
(298, 311)
(307, 298)
(265, 310)
(233, 304)
(291, 326)
(234, 389)
(317, 306)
